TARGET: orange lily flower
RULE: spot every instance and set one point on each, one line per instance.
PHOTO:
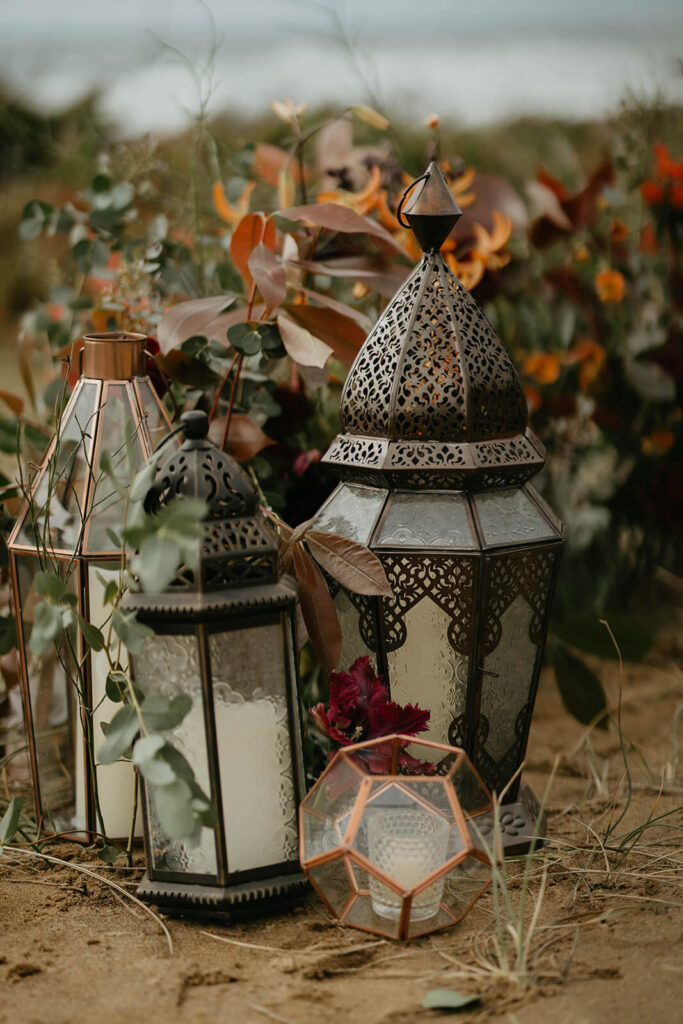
(657, 442)
(225, 210)
(362, 202)
(544, 367)
(591, 355)
(610, 286)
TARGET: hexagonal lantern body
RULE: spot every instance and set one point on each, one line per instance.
(70, 525)
(392, 853)
(435, 457)
(225, 635)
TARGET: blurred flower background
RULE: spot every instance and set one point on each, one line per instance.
(225, 179)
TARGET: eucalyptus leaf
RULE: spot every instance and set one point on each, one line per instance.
(47, 625)
(48, 584)
(9, 823)
(447, 999)
(157, 561)
(161, 713)
(130, 632)
(116, 686)
(110, 592)
(109, 854)
(581, 690)
(143, 481)
(120, 733)
(173, 807)
(91, 634)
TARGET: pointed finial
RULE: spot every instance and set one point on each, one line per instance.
(431, 211)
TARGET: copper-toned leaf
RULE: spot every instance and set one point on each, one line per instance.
(301, 346)
(269, 274)
(26, 374)
(196, 316)
(334, 217)
(245, 437)
(252, 230)
(297, 533)
(15, 402)
(339, 331)
(271, 161)
(381, 277)
(322, 624)
(351, 563)
(304, 567)
(339, 307)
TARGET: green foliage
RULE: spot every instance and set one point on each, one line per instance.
(9, 823)
(447, 999)
(581, 690)
(589, 634)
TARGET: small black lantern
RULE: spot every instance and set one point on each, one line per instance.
(435, 454)
(225, 635)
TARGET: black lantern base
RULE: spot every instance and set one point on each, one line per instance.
(518, 823)
(271, 894)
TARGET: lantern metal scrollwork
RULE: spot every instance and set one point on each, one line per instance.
(435, 456)
(225, 635)
(70, 525)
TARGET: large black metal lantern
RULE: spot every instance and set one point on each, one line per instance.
(435, 454)
(71, 525)
(225, 635)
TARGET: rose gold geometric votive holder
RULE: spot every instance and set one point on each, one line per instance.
(393, 852)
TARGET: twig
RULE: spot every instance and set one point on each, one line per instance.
(100, 878)
(270, 1013)
(318, 951)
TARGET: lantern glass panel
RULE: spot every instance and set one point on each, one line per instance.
(157, 425)
(508, 671)
(168, 664)
(66, 478)
(56, 727)
(249, 686)
(115, 782)
(353, 644)
(352, 511)
(441, 521)
(427, 660)
(510, 516)
(334, 883)
(118, 432)
(361, 915)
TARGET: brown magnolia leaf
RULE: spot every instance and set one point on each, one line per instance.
(322, 624)
(339, 307)
(26, 374)
(269, 274)
(15, 402)
(304, 567)
(351, 563)
(185, 368)
(245, 437)
(252, 230)
(334, 217)
(340, 332)
(383, 278)
(296, 534)
(300, 344)
(186, 319)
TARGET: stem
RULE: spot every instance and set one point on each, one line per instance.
(131, 834)
(221, 386)
(231, 403)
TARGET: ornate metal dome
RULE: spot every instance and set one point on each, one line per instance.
(238, 548)
(433, 399)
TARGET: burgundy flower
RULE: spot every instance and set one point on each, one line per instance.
(361, 709)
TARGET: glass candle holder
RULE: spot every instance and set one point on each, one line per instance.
(395, 853)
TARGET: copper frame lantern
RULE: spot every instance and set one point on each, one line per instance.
(70, 523)
(435, 456)
(225, 635)
(397, 854)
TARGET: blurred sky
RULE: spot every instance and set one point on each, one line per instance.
(476, 62)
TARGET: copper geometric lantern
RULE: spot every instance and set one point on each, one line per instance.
(435, 456)
(398, 854)
(70, 527)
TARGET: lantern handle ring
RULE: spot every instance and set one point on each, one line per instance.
(399, 209)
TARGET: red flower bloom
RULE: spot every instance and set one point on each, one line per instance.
(361, 709)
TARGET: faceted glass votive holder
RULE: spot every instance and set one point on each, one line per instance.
(392, 852)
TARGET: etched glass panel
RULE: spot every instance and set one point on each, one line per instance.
(427, 671)
(115, 782)
(254, 746)
(56, 725)
(418, 520)
(60, 491)
(352, 511)
(169, 665)
(508, 671)
(510, 515)
(353, 645)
